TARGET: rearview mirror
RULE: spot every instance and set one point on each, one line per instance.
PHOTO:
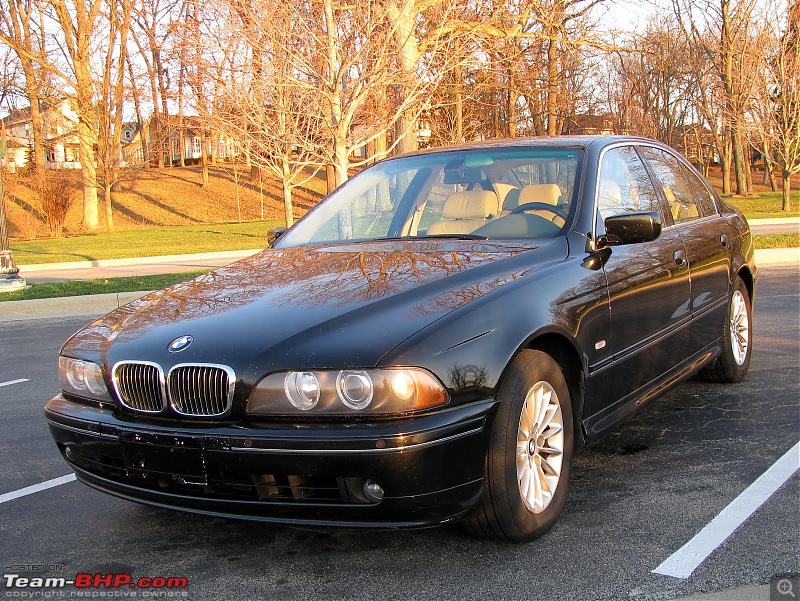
(632, 228)
(273, 235)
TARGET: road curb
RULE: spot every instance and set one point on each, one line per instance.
(66, 306)
(232, 254)
(775, 221)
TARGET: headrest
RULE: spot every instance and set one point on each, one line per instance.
(545, 193)
(610, 192)
(474, 204)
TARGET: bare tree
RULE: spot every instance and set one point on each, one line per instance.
(78, 21)
(266, 110)
(724, 29)
(656, 78)
(152, 33)
(776, 110)
(21, 30)
(109, 107)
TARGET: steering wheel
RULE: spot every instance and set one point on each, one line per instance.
(538, 206)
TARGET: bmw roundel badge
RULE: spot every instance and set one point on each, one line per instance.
(179, 344)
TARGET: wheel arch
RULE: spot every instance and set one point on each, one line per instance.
(563, 350)
(748, 279)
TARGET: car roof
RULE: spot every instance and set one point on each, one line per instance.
(538, 141)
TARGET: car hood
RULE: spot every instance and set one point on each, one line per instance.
(308, 307)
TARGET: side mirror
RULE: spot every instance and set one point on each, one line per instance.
(274, 234)
(633, 228)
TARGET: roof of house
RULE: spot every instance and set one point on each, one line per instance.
(17, 116)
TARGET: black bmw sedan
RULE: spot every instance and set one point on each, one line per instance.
(431, 343)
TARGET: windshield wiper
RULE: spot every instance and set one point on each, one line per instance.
(444, 236)
(458, 236)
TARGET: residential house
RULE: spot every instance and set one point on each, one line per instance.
(589, 124)
(18, 141)
(60, 121)
(168, 132)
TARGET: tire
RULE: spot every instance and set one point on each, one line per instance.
(512, 508)
(737, 339)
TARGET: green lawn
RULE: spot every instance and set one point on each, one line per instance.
(151, 242)
(766, 205)
(777, 240)
(104, 286)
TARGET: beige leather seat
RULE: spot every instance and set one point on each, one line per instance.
(464, 212)
(681, 211)
(549, 194)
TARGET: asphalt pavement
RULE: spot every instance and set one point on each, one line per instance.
(636, 498)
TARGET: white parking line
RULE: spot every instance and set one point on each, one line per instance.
(29, 490)
(10, 382)
(685, 560)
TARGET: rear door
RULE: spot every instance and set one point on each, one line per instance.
(703, 232)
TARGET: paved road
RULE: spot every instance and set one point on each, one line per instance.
(146, 266)
(636, 497)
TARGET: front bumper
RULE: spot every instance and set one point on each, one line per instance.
(430, 466)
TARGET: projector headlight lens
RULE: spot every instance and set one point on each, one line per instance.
(347, 391)
(82, 378)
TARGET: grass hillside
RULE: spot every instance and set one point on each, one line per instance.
(149, 198)
(166, 197)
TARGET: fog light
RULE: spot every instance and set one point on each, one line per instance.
(373, 491)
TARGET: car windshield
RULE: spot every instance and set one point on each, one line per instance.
(491, 193)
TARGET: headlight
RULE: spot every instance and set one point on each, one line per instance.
(347, 392)
(82, 378)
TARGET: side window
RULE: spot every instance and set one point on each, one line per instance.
(625, 186)
(677, 190)
(704, 197)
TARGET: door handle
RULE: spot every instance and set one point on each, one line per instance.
(680, 258)
(723, 239)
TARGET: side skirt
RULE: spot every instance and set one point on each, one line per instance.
(595, 425)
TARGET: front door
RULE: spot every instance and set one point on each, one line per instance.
(648, 287)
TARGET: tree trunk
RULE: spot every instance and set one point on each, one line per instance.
(204, 160)
(86, 144)
(725, 160)
(787, 189)
(552, 87)
(341, 162)
(459, 105)
(37, 129)
(109, 211)
(738, 163)
(512, 112)
(287, 193)
(407, 54)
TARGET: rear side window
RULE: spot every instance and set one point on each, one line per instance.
(705, 199)
(625, 186)
(677, 189)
